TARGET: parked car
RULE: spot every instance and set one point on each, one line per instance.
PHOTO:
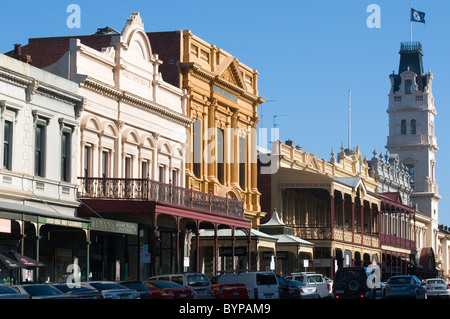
(437, 287)
(283, 288)
(78, 291)
(10, 293)
(112, 290)
(162, 289)
(405, 287)
(351, 282)
(294, 290)
(228, 291)
(41, 291)
(198, 282)
(139, 286)
(330, 286)
(318, 280)
(304, 291)
(260, 284)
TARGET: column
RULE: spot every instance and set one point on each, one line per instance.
(332, 218)
(353, 221)
(249, 248)
(197, 243)
(215, 254)
(232, 247)
(177, 260)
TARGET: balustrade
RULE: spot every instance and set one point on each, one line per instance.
(146, 189)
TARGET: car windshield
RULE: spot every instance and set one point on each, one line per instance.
(436, 282)
(166, 284)
(42, 290)
(197, 280)
(7, 290)
(266, 279)
(399, 280)
(345, 275)
(106, 286)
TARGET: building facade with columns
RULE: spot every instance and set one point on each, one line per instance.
(134, 140)
(223, 101)
(341, 207)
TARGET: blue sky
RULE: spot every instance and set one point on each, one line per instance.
(309, 54)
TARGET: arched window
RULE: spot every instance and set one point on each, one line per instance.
(413, 126)
(403, 126)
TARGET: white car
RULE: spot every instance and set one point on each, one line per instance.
(437, 287)
(314, 279)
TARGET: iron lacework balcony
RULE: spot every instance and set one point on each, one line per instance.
(150, 190)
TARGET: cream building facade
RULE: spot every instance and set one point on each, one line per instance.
(39, 115)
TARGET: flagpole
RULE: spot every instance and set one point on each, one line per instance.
(410, 26)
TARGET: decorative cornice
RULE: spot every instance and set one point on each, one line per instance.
(137, 101)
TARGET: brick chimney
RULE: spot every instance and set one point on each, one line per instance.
(18, 54)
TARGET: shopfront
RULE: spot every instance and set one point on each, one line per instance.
(55, 240)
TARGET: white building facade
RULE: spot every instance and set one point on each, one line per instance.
(39, 115)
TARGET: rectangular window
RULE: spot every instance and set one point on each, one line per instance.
(144, 170)
(197, 147)
(242, 162)
(65, 156)
(87, 161)
(39, 153)
(128, 168)
(410, 169)
(175, 177)
(106, 163)
(7, 145)
(220, 156)
(408, 87)
(162, 172)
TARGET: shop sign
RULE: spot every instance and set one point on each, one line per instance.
(61, 222)
(228, 251)
(5, 226)
(114, 226)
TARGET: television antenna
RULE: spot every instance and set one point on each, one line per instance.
(274, 117)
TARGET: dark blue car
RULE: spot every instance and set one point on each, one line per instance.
(405, 287)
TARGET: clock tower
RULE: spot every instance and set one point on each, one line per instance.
(411, 127)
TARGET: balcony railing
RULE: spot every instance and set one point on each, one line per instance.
(398, 242)
(150, 190)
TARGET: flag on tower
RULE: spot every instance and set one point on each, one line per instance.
(417, 16)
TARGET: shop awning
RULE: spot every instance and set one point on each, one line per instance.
(34, 214)
(8, 263)
(24, 261)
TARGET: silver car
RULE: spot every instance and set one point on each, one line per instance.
(437, 287)
(112, 290)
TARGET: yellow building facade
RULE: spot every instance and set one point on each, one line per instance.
(223, 101)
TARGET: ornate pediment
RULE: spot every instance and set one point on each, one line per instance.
(228, 71)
